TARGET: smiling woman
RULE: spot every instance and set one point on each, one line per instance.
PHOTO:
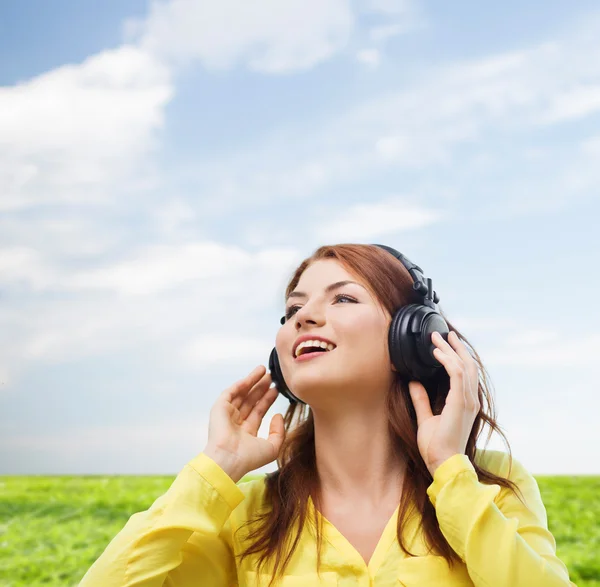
(376, 453)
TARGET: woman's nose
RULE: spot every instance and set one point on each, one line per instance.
(308, 314)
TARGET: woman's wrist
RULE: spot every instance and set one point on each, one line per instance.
(226, 461)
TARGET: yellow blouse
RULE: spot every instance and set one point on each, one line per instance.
(186, 538)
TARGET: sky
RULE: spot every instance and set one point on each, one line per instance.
(165, 166)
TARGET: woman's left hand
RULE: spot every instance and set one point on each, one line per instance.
(441, 437)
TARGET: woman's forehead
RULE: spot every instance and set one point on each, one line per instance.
(325, 269)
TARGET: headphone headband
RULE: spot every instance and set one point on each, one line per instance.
(421, 284)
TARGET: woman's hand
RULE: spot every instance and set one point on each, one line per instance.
(235, 418)
(443, 436)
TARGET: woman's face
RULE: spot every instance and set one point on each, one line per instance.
(359, 368)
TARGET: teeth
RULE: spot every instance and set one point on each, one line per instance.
(319, 343)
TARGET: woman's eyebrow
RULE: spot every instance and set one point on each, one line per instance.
(331, 287)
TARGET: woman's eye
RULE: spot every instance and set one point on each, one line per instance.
(293, 309)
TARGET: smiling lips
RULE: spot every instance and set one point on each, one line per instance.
(311, 355)
(305, 345)
(307, 349)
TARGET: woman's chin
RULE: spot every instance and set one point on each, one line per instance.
(312, 390)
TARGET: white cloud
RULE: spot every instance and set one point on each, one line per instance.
(267, 36)
(401, 16)
(370, 57)
(389, 7)
(147, 271)
(529, 338)
(426, 125)
(577, 102)
(61, 232)
(387, 31)
(535, 348)
(138, 301)
(66, 134)
(591, 147)
(210, 349)
(483, 324)
(160, 267)
(367, 221)
(174, 218)
(24, 266)
(545, 350)
(86, 104)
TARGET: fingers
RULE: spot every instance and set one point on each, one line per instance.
(260, 408)
(276, 432)
(236, 393)
(460, 365)
(252, 397)
(454, 349)
(256, 393)
(444, 351)
(420, 401)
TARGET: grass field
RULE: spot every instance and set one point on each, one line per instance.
(53, 528)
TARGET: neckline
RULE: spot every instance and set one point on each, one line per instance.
(343, 545)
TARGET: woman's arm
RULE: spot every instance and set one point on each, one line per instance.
(503, 543)
(184, 539)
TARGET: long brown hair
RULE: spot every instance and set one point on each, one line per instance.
(287, 489)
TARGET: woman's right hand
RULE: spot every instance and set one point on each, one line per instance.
(234, 421)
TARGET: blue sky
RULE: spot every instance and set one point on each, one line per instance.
(164, 167)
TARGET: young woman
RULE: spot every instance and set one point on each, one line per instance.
(383, 467)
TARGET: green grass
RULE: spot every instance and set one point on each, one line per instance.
(53, 528)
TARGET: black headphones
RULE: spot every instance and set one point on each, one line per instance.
(409, 335)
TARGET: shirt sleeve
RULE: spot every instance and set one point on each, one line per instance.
(502, 543)
(183, 540)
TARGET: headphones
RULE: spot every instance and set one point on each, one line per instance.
(409, 334)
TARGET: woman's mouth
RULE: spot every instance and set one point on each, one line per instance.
(311, 355)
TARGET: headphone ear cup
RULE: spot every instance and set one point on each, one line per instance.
(410, 344)
(397, 337)
(278, 380)
(275, 371)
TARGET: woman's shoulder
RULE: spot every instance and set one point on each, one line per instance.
(502, 465)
